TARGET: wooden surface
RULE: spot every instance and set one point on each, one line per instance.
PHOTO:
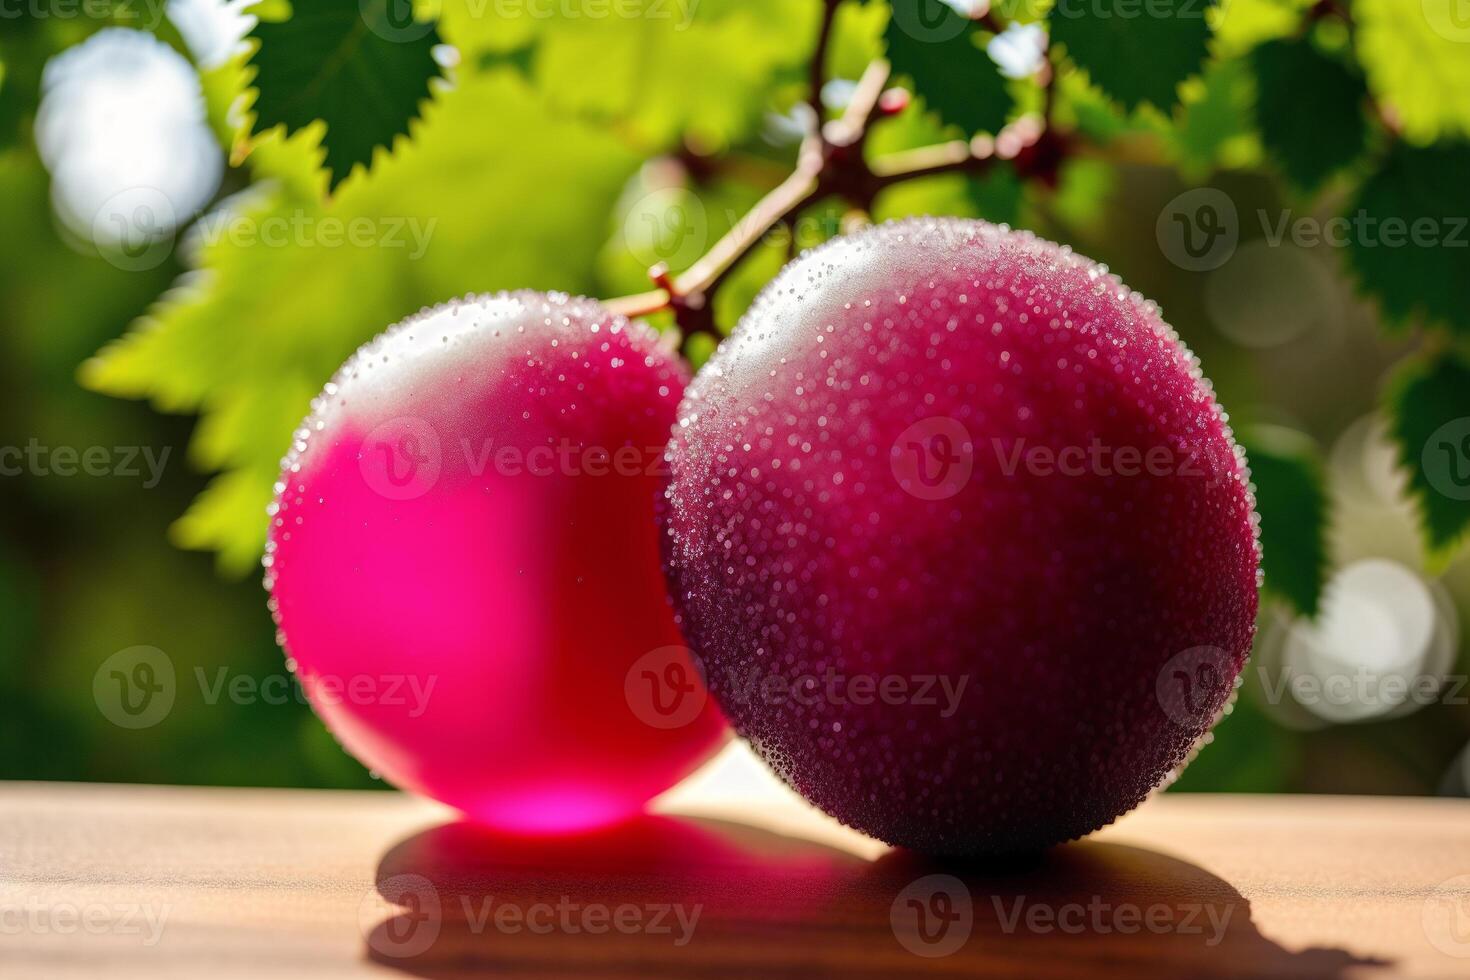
(737, 879)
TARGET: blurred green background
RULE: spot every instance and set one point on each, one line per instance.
(570, 153)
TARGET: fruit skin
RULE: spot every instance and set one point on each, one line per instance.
(1072, 607)
(489, 602)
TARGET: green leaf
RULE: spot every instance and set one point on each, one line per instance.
(701, 71)
(362, 68)
(1417, 57)
(1136, 52)
(1216, 128)
(1428, 405)
(1286, 468)
(1409, 243)
(941, 52)
(283, 290)
(1242, 24)
(1309, 108)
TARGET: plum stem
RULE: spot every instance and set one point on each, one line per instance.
(832, 162)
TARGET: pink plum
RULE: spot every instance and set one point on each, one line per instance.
(464, 567)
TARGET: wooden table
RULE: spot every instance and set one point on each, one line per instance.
(735, 878)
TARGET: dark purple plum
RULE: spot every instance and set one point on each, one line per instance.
(962, 538)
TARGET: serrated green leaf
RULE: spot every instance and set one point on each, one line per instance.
(361, 68)
(1136, 52)
(280, 297)
(1428, 405)
(1286, 467)
(942, 53)
(1242, 24)
(1216, 128)
(1309, 108)
(1409, 242)
(1417, 57)
(666, 71)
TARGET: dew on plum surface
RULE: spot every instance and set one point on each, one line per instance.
(1059, 598)
(461, 566)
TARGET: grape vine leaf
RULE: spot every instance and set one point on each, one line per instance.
(1243, 24)
(1291, 500)
(1136, 52)
(1409, 242)
(1296, 83)
(362, 68)
(705, 71)
(941, 52)
(225, 342)
(1216, 127)
(1415, 56)
(1428, 405)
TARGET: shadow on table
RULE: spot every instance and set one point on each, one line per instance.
(685, 897)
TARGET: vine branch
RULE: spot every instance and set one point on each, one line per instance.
(832, 163)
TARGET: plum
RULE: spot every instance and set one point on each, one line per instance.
(463, 562)
(961, 537)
